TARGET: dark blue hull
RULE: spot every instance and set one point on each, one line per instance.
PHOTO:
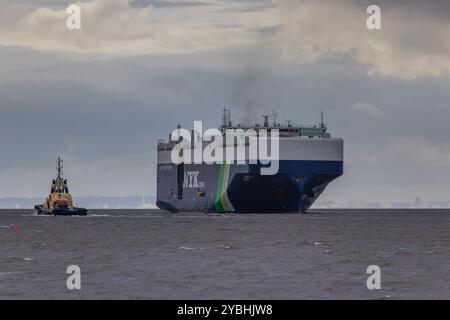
(294, 189)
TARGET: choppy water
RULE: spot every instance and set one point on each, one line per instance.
(152, 255)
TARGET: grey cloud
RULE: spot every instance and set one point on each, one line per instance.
(168, 3)
(250, 5)
(112, 112)
(439, 8)
(106, 115)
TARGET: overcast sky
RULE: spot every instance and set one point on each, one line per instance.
(102, 96)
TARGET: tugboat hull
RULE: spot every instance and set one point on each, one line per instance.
(40, 210)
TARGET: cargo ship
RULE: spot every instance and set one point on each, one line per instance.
(59, 202)
(309, 159)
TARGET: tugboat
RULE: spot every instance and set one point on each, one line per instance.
(59, 202)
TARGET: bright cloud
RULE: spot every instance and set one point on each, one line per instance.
(117, 27)
(412, 42)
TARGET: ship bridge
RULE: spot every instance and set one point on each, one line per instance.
(285, 130)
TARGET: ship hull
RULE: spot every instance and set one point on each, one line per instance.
(294, 189)
(305, 169)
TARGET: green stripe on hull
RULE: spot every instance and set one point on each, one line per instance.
(222, 203)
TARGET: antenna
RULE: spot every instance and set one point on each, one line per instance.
(178, 132)
(85, 181)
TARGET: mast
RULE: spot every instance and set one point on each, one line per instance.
(60, 187)
(59, 168)
(322, 123)
(266, 120)
(226, 118)
(274, 115)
